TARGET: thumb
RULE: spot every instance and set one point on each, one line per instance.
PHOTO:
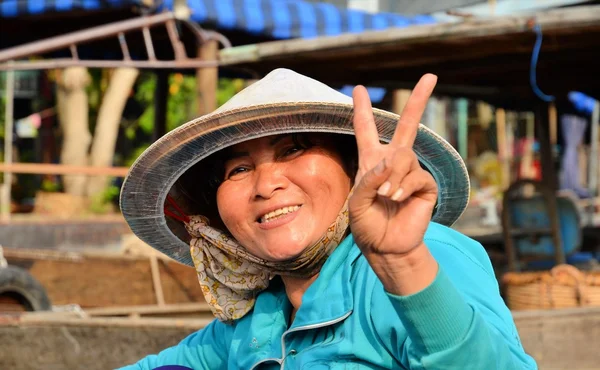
(365, 191)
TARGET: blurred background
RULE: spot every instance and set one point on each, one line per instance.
(87, 85)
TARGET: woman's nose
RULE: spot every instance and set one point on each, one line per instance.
(269, 179)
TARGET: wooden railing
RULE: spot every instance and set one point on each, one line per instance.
(47, 169)
(62, 169)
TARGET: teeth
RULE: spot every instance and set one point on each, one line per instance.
(279, 212)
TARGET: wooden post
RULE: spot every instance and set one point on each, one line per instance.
(553, 122)
(207, 79)
(73, 110)
(526, 166)
(546, 154)
(502, 149)
(399, 99)
(462, 120)
(593, 168)
(492, 4)
(156, 281)
(107, 125)
(161, 95)
(8, 147)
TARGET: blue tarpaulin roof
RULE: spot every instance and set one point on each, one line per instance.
(280, 19)
(18, 8)
(293, 18)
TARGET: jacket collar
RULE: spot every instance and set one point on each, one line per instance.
(329, 299)
(330, 295)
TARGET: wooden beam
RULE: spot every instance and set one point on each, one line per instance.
(493, 53)
(555, 21)
(561, 338)
(201, 310)
(149, 309)
(62, 169)
(114, 322)
(73, 279)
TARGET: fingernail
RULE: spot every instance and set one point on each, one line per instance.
(378, 170)
(384, 188)
(397, 194)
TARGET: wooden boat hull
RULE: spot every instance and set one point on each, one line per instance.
(559, 339)
(106, 280)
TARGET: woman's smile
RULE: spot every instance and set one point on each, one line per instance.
(279, 216)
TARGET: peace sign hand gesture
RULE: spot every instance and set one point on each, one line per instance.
(393, 198)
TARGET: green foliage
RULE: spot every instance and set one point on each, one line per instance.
(99, 80)
(227, 88)
(136, 153)
(103, 203)
(180, 101)
(145, 95)
(181, 104)
(50, 186)
(111, 193)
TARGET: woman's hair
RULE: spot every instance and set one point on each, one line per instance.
(200, 183)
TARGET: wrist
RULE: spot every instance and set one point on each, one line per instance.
(405, 274)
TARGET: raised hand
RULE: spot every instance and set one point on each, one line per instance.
(393, 197)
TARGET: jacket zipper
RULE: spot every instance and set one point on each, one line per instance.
(278, 360)
(307, 327)
(281, 361)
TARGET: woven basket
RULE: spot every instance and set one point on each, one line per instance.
(562, 287)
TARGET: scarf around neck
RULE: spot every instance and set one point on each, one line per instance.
(231, 278)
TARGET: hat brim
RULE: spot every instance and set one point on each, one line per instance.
(156, 171)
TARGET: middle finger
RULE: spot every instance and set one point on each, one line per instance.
(408, 124)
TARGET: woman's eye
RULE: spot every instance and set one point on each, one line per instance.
(236, 171)
(291, 151)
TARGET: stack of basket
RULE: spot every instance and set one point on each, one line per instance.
(562, 287)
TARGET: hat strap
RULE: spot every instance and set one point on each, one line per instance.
(178, 213)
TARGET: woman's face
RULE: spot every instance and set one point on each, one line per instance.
(278, 198)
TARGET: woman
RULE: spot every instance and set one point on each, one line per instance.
(333, 250)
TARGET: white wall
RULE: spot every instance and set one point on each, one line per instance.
(371, 6)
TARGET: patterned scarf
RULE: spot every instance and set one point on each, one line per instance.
(231, 278)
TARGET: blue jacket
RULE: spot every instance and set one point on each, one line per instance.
(348, 321)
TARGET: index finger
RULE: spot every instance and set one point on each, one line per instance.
(408, 124)
(364, 123)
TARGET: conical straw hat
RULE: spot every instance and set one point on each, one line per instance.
(282, 102)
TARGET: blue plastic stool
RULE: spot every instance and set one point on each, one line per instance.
(544, 228)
